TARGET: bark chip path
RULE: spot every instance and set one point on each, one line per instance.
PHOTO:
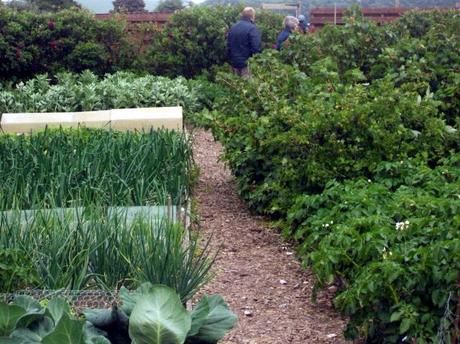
(258, 275)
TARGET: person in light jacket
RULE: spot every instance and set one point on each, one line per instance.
(290, 25)
(303, 25)
(243, 41)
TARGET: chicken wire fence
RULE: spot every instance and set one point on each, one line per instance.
(79, 300)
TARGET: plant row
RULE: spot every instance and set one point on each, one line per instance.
(151, 314)
(74, 168)
(391, 244)
(350, 139)
(77, 249)
(68, 92)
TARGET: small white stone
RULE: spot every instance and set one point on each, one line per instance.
(283, 281)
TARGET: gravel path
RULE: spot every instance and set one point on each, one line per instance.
(256, 273)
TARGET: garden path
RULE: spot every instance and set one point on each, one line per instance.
(256, 273)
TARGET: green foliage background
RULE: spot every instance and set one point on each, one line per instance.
(71, 40)
(349, 138)
(195, 40)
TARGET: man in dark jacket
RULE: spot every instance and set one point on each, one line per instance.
(243, 41)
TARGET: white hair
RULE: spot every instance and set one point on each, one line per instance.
(248, 13)
(291, 22)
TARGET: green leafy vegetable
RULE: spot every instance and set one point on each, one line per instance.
(211, 320)
(159, 318)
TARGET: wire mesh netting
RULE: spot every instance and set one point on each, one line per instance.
(79, 300)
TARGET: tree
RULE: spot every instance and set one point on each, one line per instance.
(128, 6)
(169, 6)
(20, 5)
(52, 5)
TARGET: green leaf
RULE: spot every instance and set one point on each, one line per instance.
(97, 340)
(67, 331)
(93, 335)
(218, 322)
(8, 340)
(28, 303)
(112, 320)
(57, 308)
(43, 327)
(34, 311)
(26, 336)
(405, 325)
(199, 316)
(159, 318)
(130, 299)
(395, 316)
(99, 317)
(9, 315)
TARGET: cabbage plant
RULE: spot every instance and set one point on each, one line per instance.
(25, 320)
(155, 314)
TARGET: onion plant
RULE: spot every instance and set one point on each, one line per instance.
(68, 168)
(86, 248)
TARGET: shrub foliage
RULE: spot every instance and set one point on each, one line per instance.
(195, 40)
(70, 40)
(350, 137)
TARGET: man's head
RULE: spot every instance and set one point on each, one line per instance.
(248, 14)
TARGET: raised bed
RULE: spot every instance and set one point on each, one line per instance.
(119, 119)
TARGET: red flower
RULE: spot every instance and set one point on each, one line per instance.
(51, 25)
(18, 53)
(53, 45)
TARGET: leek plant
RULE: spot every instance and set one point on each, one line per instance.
(69, 168)
(87, 248)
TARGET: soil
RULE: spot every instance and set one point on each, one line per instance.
(256, 273)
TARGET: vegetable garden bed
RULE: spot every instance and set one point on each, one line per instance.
(96, 209)
(71, 168)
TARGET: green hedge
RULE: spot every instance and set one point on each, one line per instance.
(195, 40)
(71, 40)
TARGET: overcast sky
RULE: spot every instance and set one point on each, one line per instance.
(103, 6)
